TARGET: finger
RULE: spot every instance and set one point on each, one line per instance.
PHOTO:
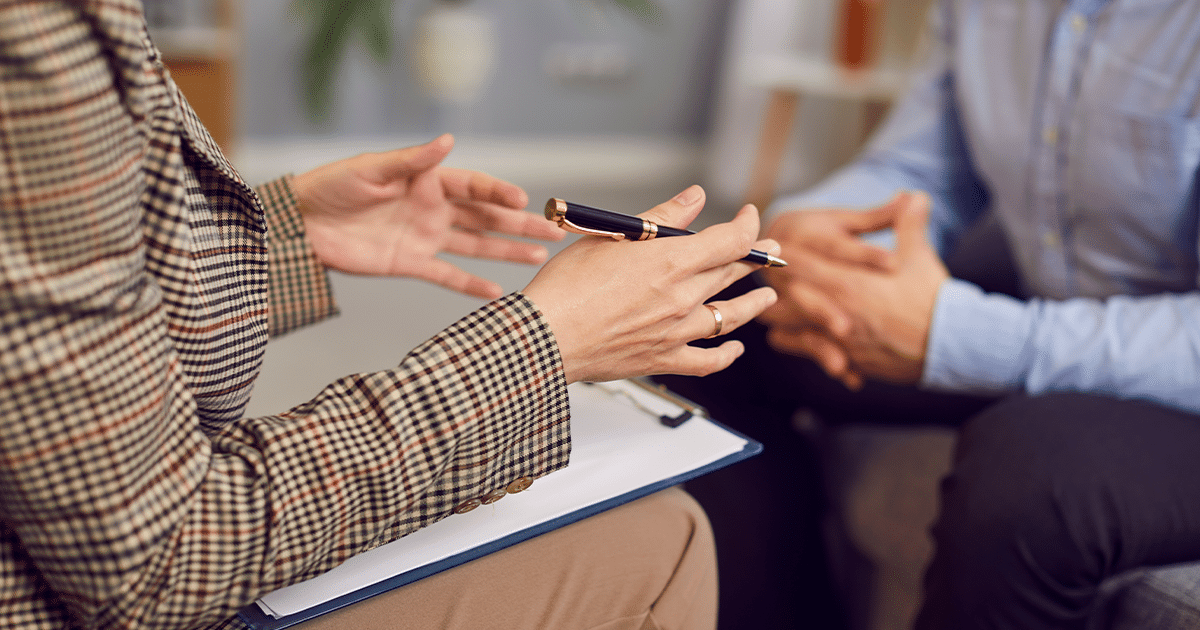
(805, 342)
(875, 219)
(860, 252)
(795, 310)
(781, 313)
(446, 275)
(818, 309)
(475, 186)
(731, 313)
(714, 279)
(476, 245)
(403, 163)
(694, 361)
(912, 235)
(831, 278)
(728, 242)
(850, 377)
(680, 210)
(488, 218)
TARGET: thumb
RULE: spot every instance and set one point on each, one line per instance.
(402, 163)
(680, 211)
(912, 227)
(881, 216)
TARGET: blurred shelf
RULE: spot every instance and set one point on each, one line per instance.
(810, 75)
(202, 52)
(550, 163)
(858, 69)
(197, 43)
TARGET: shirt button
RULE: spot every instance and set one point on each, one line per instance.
(521, 484)
(493, 496)
(467, 506)
(1050, 239)
(1050, 135)
(1079, 23)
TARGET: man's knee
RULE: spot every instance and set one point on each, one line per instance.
(1027, 493)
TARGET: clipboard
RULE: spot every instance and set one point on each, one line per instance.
(630, 439)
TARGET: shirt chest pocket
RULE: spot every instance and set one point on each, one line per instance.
(1131, 191)
(1135, 160)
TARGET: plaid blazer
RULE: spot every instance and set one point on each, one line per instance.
(135, 300)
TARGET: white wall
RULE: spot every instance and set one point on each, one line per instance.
(665, 92)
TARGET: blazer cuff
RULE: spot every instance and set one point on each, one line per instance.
(300, 291)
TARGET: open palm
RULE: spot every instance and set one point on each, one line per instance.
(392, 213)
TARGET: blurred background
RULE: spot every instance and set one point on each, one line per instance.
(613, 103)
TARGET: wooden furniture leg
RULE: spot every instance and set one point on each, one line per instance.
(772, 142)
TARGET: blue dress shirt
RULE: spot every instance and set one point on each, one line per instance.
(1076, 123)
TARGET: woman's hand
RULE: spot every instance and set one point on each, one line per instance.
(622, 309)
(392, 213)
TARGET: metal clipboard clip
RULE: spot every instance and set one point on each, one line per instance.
(643, 387)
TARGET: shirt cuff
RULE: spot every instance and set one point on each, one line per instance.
(300, 291)
(978, 342)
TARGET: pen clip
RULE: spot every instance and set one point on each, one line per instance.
(566, 224)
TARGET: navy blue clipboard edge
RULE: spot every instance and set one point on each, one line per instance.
(254, 617)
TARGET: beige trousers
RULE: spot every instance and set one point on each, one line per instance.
(647, 565)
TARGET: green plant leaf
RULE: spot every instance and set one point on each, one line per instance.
(336, 23)
(376, 35)
(648, 11)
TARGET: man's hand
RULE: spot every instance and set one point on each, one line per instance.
(887, 314)
(392, 213)
(806, 312)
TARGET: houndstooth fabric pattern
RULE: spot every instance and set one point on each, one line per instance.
(135, 301)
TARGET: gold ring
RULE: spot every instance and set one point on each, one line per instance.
(718, 321)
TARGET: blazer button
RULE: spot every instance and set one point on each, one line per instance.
(494, 496)
(467, 506)
(519, 485)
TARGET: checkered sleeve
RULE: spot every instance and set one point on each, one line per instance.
(117, 510)
(300, 293)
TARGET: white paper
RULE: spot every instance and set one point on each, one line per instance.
(616, 448)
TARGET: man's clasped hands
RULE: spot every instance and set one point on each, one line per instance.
(857, 309)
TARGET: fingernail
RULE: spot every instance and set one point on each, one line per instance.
(689, 196)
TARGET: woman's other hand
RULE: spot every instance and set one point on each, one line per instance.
(392, 213)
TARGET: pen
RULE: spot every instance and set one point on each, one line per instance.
(581, 219)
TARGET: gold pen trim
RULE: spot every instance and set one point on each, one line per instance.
(649, 230)
(571, 227)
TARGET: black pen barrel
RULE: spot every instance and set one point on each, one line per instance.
(604, 220)
(758, 258)
(596, 222)
(664, 230)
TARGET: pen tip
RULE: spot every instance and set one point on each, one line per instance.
(775, 261)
